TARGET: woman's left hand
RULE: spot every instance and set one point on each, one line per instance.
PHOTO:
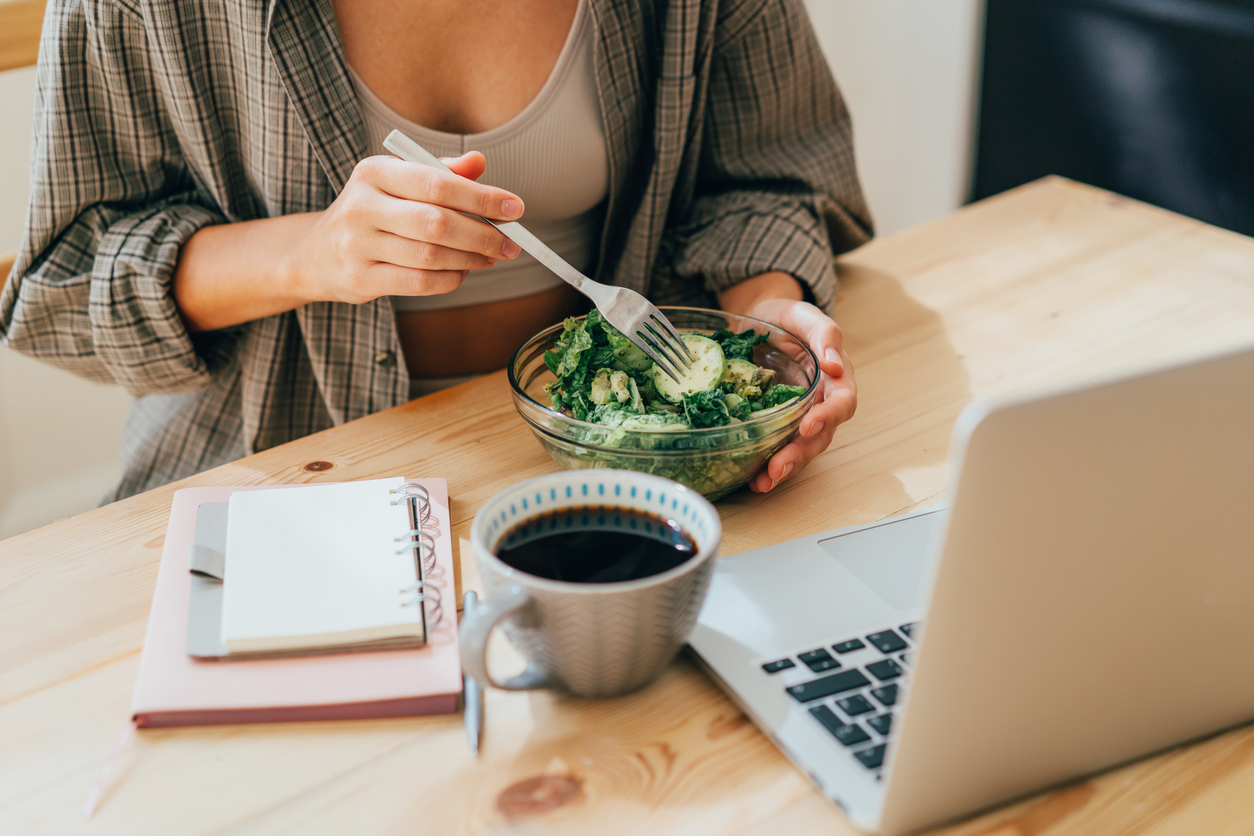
(837, 392)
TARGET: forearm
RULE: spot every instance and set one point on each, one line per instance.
(235, 273)
(744, 297)
(396, 229)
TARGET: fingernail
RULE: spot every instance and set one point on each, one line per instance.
(492, 261)
(511, 208)
(784, 475)
(509, 249)
(815, 429)
(832, 357)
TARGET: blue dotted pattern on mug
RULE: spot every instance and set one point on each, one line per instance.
(661, 502)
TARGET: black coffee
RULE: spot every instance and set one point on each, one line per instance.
(596, 545)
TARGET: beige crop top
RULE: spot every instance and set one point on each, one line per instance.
(553, 155)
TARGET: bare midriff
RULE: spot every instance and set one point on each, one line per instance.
(480, 338)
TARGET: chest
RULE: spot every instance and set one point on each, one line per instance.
(460, 66)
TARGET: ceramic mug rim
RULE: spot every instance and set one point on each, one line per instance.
(526, 579)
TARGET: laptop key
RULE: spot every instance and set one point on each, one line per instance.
(885, 669)
(872, 758)
(850, 735)
(849, 646)
(904, 658)
(819, 660)
(837, 683)
(887, 641)
(779, 665)
(908, 629)
(855, 705)
(881, 724)
(886, 695)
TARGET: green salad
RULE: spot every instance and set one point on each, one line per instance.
(603, 379)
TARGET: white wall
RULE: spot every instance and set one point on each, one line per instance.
(59, 435)
(906, 67)
(17, 92)
(909, 72)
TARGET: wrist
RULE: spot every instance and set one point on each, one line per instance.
(295, 272)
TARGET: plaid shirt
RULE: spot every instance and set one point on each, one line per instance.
(730, 155)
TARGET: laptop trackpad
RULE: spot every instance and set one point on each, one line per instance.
(891, 559)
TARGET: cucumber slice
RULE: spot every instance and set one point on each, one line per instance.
(707, 370)
(629, 358)
(739, 370)
(739, 376)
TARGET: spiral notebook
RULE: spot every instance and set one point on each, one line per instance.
(175, 688)
(314, 569)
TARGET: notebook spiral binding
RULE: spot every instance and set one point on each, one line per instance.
(427, 592)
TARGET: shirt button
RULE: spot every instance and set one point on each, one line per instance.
(385, 359)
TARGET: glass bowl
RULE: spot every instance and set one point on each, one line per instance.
(713, 460)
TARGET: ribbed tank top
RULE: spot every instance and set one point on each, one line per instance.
(553, 155)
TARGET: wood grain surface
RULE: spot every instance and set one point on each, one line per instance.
(20, 24)
(1050, 283)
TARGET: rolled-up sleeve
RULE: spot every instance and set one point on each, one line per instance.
(777, 188)
(112, 203)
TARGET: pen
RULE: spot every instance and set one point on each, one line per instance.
(474, 693)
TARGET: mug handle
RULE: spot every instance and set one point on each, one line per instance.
(477, 623)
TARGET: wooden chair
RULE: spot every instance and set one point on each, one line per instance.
(20, 24)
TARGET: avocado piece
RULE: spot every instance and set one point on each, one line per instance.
(600, 393)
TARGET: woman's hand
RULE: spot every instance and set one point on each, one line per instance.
(775, 297)
(395, 230)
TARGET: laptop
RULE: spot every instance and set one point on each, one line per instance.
(1085, 598)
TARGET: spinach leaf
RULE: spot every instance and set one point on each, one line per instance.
(778, 394)
(706, 409)
(739, 346)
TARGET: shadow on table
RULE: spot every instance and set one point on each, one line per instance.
(890, 457)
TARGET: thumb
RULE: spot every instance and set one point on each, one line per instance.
(470, 165)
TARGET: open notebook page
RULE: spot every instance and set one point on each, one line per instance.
(317, 566)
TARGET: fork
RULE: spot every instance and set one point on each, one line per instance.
(632, 314)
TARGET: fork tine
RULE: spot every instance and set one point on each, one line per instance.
(644, 344)
(675, 338)
(664, 346)
(661, 358)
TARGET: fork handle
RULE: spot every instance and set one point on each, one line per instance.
(410, 151)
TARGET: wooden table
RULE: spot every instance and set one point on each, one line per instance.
(1050, 282)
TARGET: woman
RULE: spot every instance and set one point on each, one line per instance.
(209, 229)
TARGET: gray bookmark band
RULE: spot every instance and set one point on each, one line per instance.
(206, 558)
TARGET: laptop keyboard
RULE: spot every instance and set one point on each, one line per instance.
(857, 687)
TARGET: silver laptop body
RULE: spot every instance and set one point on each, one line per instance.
(1088, 598)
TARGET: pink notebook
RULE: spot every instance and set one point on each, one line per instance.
(176, 690)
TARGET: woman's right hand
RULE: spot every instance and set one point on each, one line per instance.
(395, 230)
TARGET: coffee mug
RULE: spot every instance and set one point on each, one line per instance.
(591, 639)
